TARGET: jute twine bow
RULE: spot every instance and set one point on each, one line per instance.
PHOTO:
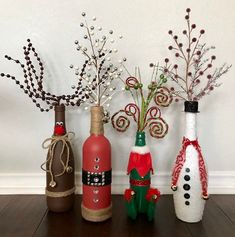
(65, 139)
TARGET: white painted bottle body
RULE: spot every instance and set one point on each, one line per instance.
(188, 201)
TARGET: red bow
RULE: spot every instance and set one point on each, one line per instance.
(180, 160)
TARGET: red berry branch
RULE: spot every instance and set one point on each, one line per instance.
(194, 75)
(33, 85)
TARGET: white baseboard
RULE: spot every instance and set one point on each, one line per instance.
(220, 182)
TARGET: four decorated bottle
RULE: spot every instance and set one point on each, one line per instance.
(189, 177)
(140, 197)
(59, 166)
(96, 171)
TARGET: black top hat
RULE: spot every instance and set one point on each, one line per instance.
(191, 106)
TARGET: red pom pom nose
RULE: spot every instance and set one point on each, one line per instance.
(59, 130)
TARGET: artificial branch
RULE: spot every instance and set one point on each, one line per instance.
(193, 75)
(141, 111)
(99, 72)
(33, 84)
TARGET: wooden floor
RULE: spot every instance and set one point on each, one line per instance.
(27, 215)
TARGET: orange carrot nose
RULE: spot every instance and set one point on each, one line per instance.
(59, 130)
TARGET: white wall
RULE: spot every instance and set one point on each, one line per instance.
(53, 26)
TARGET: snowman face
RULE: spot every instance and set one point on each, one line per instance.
(59, 129)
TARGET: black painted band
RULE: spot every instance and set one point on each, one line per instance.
(96, 178)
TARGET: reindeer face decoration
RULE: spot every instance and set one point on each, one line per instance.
(59, 129)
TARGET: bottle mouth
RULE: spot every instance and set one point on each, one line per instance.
(191, 106)
(140, 139)
(59, 108)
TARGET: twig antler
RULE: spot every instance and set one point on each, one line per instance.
(33, 84)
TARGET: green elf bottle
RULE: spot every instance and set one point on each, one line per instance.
(140, 197)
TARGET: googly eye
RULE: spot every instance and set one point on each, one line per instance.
(57, 123)
(61, 123)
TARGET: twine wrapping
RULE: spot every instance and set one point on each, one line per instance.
(65, 139)
(60, 194)
(96, 215)
(97, 115)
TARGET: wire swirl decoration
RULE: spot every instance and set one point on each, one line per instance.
(143, 114)
(158, 128)
(133, 111)
(120, 120)
(121, 123)
(163, 97)
(152, 113)
(131, 82)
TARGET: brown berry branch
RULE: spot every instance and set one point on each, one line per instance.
(33, 85)
(194, 75)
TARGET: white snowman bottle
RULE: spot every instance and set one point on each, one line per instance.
(189, 176)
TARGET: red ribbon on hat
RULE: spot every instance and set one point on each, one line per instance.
(180, 160)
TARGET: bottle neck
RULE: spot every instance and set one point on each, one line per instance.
(60, 127)
(97, 125)
(191, 125)
(140, 139)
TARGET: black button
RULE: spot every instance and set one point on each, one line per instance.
(187, 177)
(187, 170)
(186, 195)
(187, 203)
(186, 187)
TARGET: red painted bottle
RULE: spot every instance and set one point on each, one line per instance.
(96, 171)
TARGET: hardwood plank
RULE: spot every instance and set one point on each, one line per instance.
(167, 222)
(71, 223)
(4, 200)
(227, 204)
(61, 224)
(213, 224)
(22, 215)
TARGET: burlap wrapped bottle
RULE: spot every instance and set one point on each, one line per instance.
(96, 171)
